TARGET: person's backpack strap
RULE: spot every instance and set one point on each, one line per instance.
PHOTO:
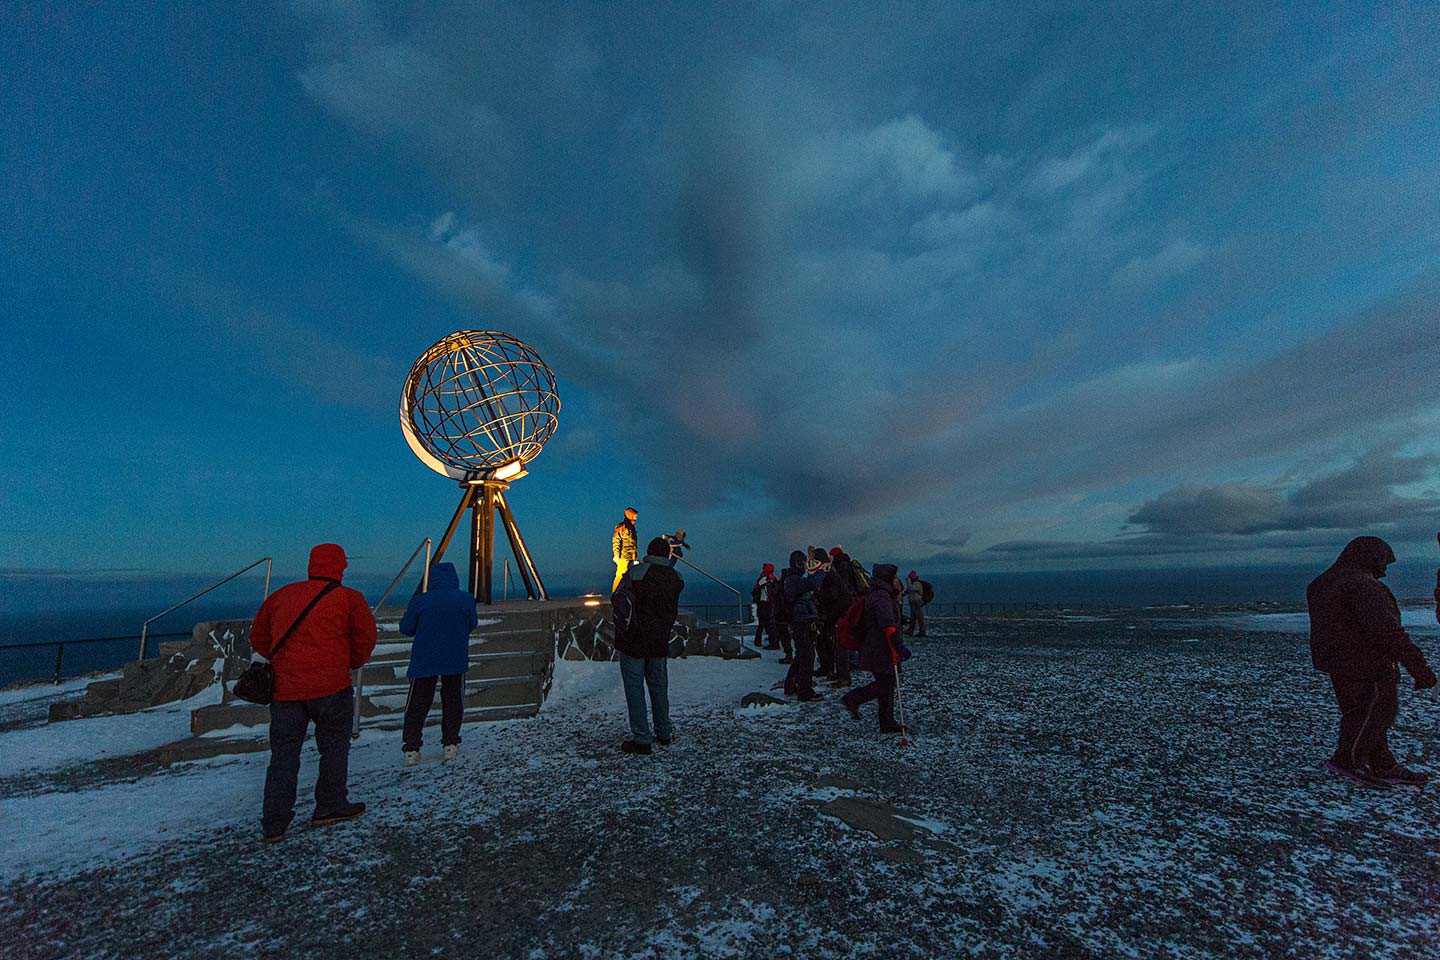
(303, 614)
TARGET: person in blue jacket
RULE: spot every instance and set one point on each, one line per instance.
(440, 620)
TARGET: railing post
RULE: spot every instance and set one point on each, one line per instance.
(59, 659)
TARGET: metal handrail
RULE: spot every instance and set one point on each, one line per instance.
(59, 646)
(739, 597)
(145, 627)
(358, 679)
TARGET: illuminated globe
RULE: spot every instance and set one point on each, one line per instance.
(479, 405)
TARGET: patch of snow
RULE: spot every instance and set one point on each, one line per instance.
(39, 691)
(54, 746)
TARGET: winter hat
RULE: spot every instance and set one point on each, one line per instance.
(914, 575)
(837, 551)
(797, 559)
(767, 569)
(659, 547)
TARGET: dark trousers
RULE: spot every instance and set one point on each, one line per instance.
(417, 708)
(763, 625)
(800, 679)
(289, 722)
(825, 647)
(842, 661)
(1368, 709)
(782, 633)
(882, 688)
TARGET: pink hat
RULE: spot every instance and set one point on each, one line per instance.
(914, 575)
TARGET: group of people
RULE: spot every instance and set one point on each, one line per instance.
(801, 610)
(822, 606)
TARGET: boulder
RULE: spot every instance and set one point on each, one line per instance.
(761, 700)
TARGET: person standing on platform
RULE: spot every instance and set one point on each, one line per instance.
(440, 620)
(1356, 638)
(313, 633)
(763, 595)
(623, 545)
(646, 606)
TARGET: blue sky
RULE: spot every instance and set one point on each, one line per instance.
(974, 286)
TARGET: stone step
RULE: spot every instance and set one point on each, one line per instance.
(250, 715)
(497, 692)
(483, 666)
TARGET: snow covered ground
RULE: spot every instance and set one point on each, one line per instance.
(1420, 621)
(1130, 787)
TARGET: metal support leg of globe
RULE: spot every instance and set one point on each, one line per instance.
(484, 500)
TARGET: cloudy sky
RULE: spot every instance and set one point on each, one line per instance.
(983, 286)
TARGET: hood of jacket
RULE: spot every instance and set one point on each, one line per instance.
(443, 575)
(1370, 554)
(884, 573)
(328, 562)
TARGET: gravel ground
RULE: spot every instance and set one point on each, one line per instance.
(1125, 787)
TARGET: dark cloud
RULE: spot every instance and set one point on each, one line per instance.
(1360, 496)
(831, 306)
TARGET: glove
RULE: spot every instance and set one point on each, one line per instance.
(1424, 676)
(904, 653)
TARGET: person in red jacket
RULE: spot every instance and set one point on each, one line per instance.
(1357, 638)
(331, 632)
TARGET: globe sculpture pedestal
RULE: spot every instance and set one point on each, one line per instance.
(477, 407)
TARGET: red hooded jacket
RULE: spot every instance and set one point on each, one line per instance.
(336, 637)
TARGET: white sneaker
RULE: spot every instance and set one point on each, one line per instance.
(452, 750)
(412, 758)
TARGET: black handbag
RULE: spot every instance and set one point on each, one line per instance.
(257, 683)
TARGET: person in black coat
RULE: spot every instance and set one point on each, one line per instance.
(1356, 638)
(800, 593)
(837, 591)
(651, 592)
(880, 648)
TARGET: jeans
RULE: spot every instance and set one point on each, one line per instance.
(1368, 708)
(800, 680)
(289, 722)
(638, 673)
(882, 688)
(417, 708)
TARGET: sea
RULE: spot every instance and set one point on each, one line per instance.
(49, 607)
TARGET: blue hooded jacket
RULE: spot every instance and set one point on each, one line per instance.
(440, 620)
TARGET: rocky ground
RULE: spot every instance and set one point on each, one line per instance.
(1139, 785)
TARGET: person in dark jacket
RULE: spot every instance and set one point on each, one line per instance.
(764, 595)
(837, 590)
(879, 650)
(645, 645)
(1356, 637)
(440, 620)
(312, 684)
(801, 590)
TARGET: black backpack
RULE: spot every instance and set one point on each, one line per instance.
(623, 608)
(927, 592)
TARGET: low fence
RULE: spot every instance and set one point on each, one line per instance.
(31, 661)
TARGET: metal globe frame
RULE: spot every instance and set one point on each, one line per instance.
(477, 407)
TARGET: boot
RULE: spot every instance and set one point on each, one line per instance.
(452, 750)
(1402, 776)
(412, 758)
(348, 812)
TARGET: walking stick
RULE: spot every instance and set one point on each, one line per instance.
(900, 707)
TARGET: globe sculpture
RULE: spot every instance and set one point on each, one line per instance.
(477, 407)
